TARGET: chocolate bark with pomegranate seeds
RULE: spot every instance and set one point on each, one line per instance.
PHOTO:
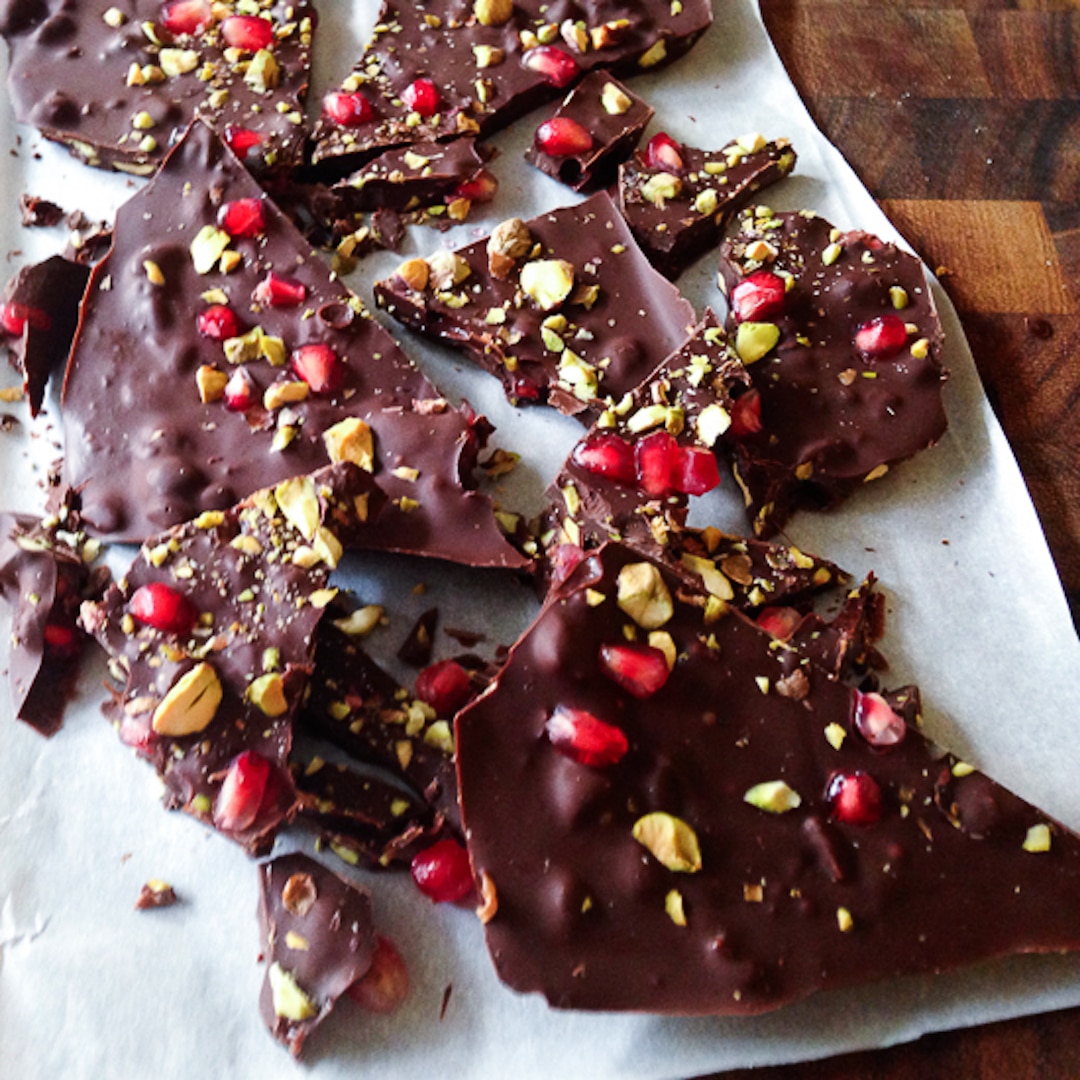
(563, 308)
(212, 630)
(595, 128)
(216, 355)
(118, 85)
(842, 338)
(720, 837)
(678, 199)
(470, 67)
(318, 939)
(39, 310)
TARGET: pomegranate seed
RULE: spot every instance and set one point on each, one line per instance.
(656, 459)
(855, 798)
(606, 455)
(663, 152)
(779, 622)
(585, 738)
(562, 137)
(421, 96)
(875, 721)
(479, 188)
(240, 391)
(61, 640)
(247, 32)
(243, 217)
(347, 110)
(164, 608)
(641, 670)
(218, 322)
(558, 67)
(746, 415)
(317, 364)
(277, 291)
(240, 140)
(14, 317)
(185, 16)
(445, 686)
(526, 388)
(135, 732)
(758, 297)
(386, 985)
(242, 790)
(697, 471)
(881, 337)
(564, 560)
(442, 872)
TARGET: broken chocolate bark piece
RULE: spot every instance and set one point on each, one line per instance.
(693, 839)
(470, 67)
(678, 199)
(595, 128)
(212, 632)
(216, 355)
(317, 940)
(563, 308)
(156, 894)
(843, 342)
(39, 213)
(118, 85)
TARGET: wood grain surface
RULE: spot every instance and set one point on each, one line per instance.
(962, 117)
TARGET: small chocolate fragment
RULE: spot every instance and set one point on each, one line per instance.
(156, 894)
(38, 213)
(416, 649)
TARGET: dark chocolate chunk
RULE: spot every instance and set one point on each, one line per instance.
(697, 841)
(419, 642)
(595, 128)
(38, 213)
(843, 342)
(119, 84)
(563, 308)
(678, 199)
(213, 359)
(156, 894)
(317, 940)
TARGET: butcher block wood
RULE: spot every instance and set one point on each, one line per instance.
(963, 120)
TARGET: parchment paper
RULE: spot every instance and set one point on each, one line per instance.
(90, 988)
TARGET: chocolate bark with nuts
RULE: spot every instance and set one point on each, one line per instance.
(118, 84)
(317, 940)
(594, 129)
(472, 66)
(563, 308)
(678, 199)
(843, 342)
(212, 633)
(209, 363)
(731, 840)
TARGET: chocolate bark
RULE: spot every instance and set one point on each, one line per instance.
(679, 202)
(152, 440)
(115, 86)
(563, 308)
(840, 403)
(745, 845)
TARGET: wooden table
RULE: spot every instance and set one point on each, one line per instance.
(962, 117)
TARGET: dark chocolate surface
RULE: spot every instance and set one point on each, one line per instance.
(832, 418)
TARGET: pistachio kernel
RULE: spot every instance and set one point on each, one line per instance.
(670, 841)
(643, 595)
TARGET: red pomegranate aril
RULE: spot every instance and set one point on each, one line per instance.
(640, 670)
(240, 140)
(882, 337)
(421, 96)
(779, 622)
(317, 364)
(562, 137)
(386, 985)
(239, 391)
(855, 798)
(526, 388)
(697, 471)
(135, 731)
(185, 16)
(445, 686)
(656, 461)
(585, 738)
(218, 322)
(606, 455)
(663, 152)
(558, 67)
(479, 188)
(746, 415)
(442, 872)
(14, 317)
(347, 110)
(247, 32)
(243, 217)
(277, 291)
(875, 721)
(759, 297)
(61, 640)
(242, 790)
(164, 608)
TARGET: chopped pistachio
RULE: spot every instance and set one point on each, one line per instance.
(670, 840)
(773, 796)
